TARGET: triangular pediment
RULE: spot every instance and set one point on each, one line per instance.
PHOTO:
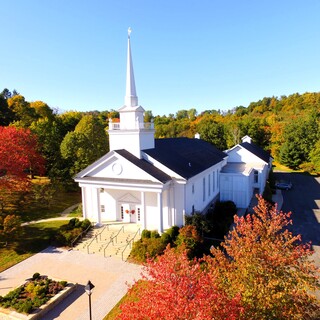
(116, 166)
(129, 198)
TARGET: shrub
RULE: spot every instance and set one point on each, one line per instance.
(70, 231)
(173, 233)
(25, 306)
(189, 238)
(145, 234)
(154, 234)
(267, 193)
(29, 287)
(63, 283)
(36, 276)
(221, 217)
(199, 221)
(147, 248)
(165, 237)
(85, 224)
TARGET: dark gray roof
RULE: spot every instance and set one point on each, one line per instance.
(256, 150)
(187, 157)
(144, 165)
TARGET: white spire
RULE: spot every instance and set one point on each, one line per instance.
(131, 99)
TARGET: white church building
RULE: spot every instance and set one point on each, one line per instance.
(156, 182)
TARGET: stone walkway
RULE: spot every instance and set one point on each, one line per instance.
(109, 275)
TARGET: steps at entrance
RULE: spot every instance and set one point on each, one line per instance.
(110, 240)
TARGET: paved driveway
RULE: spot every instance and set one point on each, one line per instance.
(109, 275)
(304, 202)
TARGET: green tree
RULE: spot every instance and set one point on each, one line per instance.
(6, 114)
(300, 136)
(49, 133)
(86, 144)
(148, 116)
(68, 121)
(315, 157)
(213, 132)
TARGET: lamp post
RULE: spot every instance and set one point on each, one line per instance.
(88, 289)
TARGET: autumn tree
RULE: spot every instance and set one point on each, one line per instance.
(10, 227)
(42, 110)
(268, 266)
(18, 158)
(174, 288)
(24, 115)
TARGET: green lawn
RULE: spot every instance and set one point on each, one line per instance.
(33, 238)
(60, 202)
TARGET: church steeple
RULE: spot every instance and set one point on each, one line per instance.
(131, 133)
(131, 99)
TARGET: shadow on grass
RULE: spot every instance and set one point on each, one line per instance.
(37, 237)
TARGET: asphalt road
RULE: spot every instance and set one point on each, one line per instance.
(303, 200)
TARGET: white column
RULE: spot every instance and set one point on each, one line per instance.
(84, 204)
(143, 207)
(160, 227)
(98, 206)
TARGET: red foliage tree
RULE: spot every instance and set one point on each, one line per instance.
(177, 288)
(19, 153)
(18, 157)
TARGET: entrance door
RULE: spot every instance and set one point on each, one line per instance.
(128, 213)
(133, 214)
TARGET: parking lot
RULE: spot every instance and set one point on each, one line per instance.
(304, 202)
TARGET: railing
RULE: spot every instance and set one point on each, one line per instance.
(81, 235)
(130, 243)
(137, 125)
(112, 238)
(95, 237)
(116, 236)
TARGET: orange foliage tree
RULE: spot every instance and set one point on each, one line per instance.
(268, 266)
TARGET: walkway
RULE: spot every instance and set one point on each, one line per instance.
(109, 275)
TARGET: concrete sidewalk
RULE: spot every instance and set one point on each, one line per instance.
(109, 275)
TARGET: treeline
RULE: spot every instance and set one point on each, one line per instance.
(288, 127)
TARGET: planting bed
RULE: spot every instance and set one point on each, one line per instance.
(34, 298)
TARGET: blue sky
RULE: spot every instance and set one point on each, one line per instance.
(199, 54)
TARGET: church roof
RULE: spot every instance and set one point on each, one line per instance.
(144, 165)
(256, 150)
(187, 157)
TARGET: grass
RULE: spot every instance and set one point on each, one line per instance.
(279, 167)
(33, 238)
(115, 311)
(60, 201)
